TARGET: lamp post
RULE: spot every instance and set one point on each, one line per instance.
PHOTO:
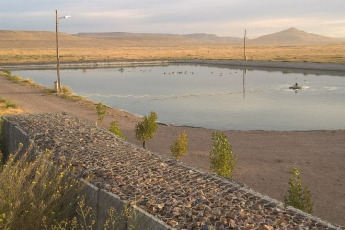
(58, 83)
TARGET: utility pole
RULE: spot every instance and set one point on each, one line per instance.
(58, 82)
(244, 45)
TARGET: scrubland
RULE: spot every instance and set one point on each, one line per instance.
(22, 48)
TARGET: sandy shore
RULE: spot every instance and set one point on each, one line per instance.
(265, 158)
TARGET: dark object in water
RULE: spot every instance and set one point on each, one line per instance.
(295, 86)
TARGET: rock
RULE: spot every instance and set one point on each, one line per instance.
(233, 223)
(160, 206)
(171, 222)
(267, 227)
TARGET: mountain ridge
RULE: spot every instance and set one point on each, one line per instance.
(290, 36)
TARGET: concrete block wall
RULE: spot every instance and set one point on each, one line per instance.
(13, 137)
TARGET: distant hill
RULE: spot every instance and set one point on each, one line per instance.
(46, 39)
(199, 37)
(293, 36)
(18, 35)
(124, 35)
(212, 38)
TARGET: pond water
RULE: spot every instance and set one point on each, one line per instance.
(212, 97)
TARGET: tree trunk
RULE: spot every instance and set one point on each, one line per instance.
(144, 145)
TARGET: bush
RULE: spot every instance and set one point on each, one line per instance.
(222, 160)
(31, 188)
(114, 128)
(101, 111)
(179, 148)
(146, 129)
(67, 91)
(37, 195)
(298, 197)
(7, 72)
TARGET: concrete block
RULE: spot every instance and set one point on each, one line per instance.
(107, 200)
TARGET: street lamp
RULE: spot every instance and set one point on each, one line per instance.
(58, 83)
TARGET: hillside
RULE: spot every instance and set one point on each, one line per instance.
(185, 38)
(17, 35)
(212, 38)
(293, 36)
(47, 39)
(38, 39)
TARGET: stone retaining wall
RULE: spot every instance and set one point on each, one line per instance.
(98, 199)
(163, 189)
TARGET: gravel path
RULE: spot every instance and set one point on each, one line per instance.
(264, 158)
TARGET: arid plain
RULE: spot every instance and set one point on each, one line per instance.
(40, 47)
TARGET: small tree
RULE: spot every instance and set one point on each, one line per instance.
(179, 148)
(298, 197)
(114, 128)
(146, 129)
(101, 111)
(223, 161)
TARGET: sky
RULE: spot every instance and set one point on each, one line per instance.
(220, 17)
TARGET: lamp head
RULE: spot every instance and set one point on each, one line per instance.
(65, 17)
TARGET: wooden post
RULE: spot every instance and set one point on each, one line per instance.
(244, 45)
(57, 54)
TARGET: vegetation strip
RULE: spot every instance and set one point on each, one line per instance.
(182, 196)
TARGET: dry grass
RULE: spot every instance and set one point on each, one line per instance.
(9, 107)
(333, 53)
(17, 48)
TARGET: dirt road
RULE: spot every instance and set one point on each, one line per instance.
(265, 158)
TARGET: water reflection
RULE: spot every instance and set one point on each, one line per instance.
(244, 88)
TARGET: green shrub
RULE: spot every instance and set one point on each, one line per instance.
(222, 160)
(298, 196)
(11, 104)
(8, 104)
(179, 148)
(146, 129)
(114, 128)
(7, 72)
(101, 111)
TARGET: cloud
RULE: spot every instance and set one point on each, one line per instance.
(222, 17)
(121, 14)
